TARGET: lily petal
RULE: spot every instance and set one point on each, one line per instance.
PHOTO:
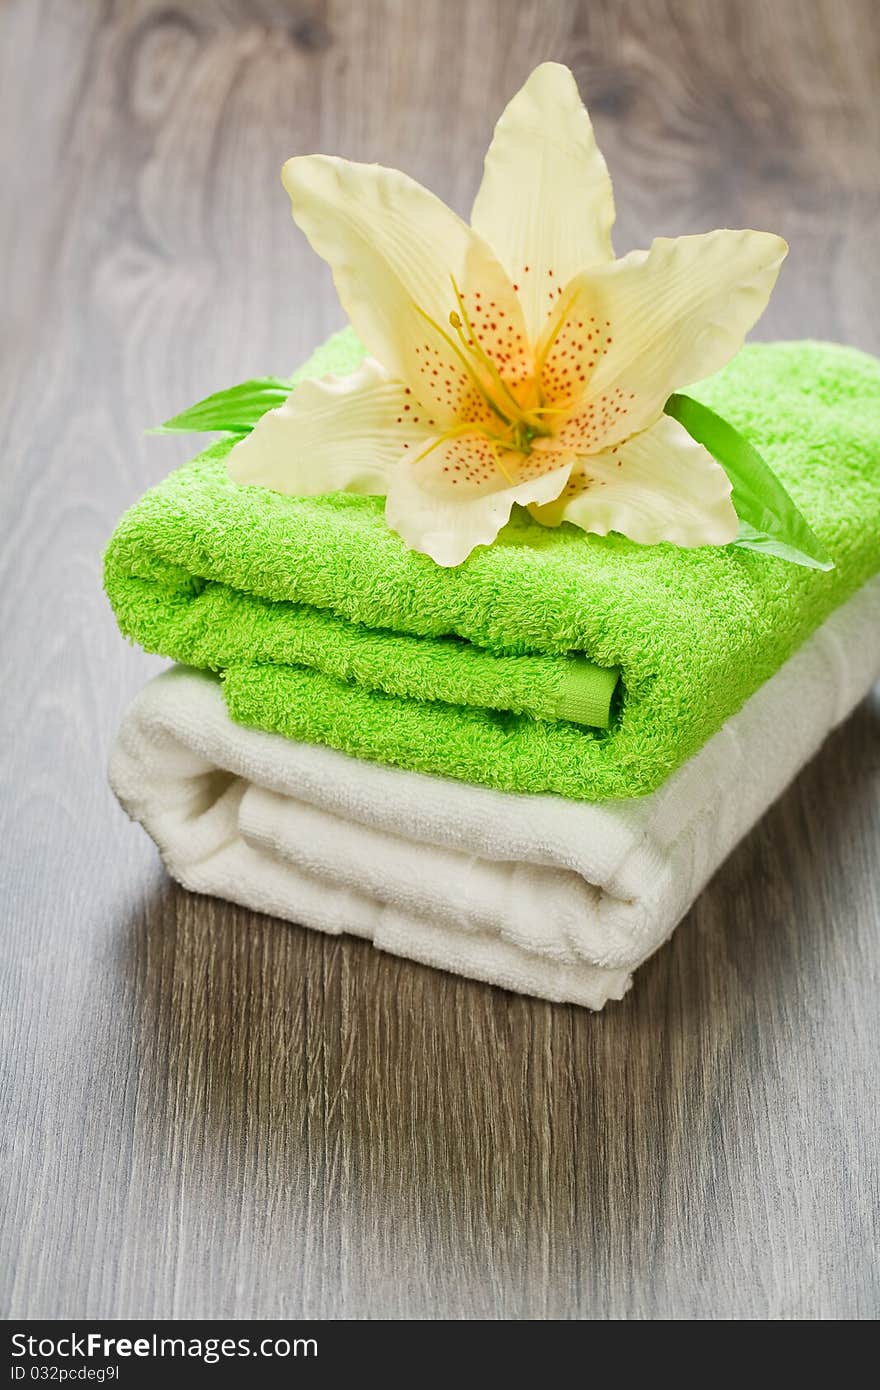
(660, 485)
(545, 204)
(395, 250)
(460, 495)
(334, 434)
(665, 318)
(569, 348)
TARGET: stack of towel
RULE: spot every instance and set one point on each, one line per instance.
(523, 769)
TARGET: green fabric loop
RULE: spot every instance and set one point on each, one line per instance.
(585, 693)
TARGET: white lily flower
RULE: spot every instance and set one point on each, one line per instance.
(514, 360)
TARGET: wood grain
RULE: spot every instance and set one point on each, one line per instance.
(206, 1113)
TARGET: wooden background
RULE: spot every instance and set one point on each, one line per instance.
(206, 1113)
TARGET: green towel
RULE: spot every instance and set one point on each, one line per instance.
(325, 628)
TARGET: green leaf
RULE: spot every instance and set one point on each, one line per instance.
(769, 520)
(234, 411)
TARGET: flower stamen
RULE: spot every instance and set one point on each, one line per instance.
(475, 380)
(441, 439)
(514, 412)
(471, 343)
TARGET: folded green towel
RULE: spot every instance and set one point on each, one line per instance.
(325, 628)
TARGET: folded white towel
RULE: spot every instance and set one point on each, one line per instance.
(535, 893)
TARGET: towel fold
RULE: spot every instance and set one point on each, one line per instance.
(505, 671)
(534, 893)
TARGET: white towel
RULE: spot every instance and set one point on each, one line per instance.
(534, 893)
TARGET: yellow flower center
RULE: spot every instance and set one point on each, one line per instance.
(518, 425)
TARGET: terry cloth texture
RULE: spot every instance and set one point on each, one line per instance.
(534, 893)
(325, 628)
